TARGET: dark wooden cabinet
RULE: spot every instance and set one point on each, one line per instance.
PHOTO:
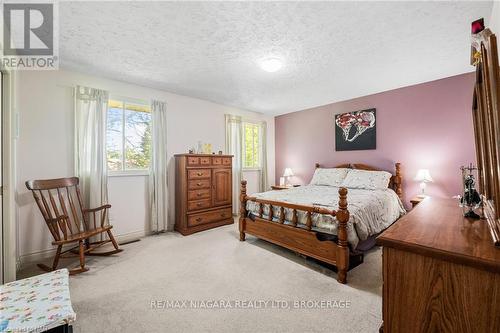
(441, 272)
(203, 192)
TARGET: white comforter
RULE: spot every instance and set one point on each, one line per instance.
(371, 211)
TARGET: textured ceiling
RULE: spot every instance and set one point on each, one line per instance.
(332, 51)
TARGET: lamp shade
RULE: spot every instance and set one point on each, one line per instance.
(288, 172)
(423, 175)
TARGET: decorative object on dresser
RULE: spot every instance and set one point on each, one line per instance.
(440, 271)
(285, 230)
(207, 148)
(287, 174)
(423, 176)
(356, 130)
(485, 111)
(203, 192)
(416, 200)
(470, 198)
(69, 222)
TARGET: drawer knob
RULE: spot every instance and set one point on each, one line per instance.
(199, 184)
(199, 194)
(200, 173)
(199, 219)
(199, 204)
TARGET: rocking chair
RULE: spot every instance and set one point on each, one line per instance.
(71, 223)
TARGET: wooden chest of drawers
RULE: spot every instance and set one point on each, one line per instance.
(441, 272)
(203, 192)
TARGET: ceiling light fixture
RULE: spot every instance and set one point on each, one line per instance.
(271, 65)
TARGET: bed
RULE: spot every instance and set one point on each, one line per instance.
(329, 218)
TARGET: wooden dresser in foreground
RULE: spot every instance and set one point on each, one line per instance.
(441, 272)
(203, 192)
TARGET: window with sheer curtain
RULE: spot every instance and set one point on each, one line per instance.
(128, 137)
(251, 146)
(247, 141)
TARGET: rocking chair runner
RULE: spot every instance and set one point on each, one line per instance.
(69, 222)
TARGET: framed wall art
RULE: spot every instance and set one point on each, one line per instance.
(356, 130)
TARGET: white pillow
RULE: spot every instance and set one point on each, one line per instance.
(369, 180)
(329, 177)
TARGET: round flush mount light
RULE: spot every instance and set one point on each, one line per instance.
(271, 65)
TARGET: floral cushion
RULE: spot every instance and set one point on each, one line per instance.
(36, 304)
(329, 176)
(369, 180)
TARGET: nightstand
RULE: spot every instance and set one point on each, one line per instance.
(416, 200)
(282, 187)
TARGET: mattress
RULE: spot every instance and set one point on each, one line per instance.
(371, 211)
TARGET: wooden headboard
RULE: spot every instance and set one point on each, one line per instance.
(395, 183)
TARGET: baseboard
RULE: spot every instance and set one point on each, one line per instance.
(130, 236)
(38, 256)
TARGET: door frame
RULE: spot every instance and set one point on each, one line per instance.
(9, 135)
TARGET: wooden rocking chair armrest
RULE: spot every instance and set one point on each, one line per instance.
(91, 210)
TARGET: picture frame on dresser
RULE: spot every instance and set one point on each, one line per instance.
(203, 192)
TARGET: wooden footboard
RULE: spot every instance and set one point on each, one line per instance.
(295, 238)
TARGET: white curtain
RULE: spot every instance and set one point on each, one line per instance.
(263, 153)
(234, 142)
(90, 144)
(158, 171)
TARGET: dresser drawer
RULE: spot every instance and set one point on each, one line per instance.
(205, 161)
(199, 173)
(197, 184)
(193, 160)
(226, 161)
(199, 204)
(208, 217)
(199, 194)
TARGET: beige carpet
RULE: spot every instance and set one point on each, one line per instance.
(116, 295)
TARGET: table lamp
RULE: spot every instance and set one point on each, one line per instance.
(287, 174)
(423, 176)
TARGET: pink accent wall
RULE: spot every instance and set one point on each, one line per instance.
(423, 126)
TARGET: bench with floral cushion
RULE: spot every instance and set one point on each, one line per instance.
(37, 304)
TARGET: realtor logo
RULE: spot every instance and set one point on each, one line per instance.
(29, 31)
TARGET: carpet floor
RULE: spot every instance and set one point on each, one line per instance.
(211, 282)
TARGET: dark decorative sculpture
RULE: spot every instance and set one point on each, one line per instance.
(471, 198)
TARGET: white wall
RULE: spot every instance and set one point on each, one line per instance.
(494, 23)
(45, 148)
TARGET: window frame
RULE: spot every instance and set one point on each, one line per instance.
(259, 148)
(129, 172)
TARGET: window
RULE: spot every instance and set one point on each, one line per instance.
(128, 136)
(251, 146)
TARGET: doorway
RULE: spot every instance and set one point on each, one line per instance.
(7, 204)
(2, 261)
